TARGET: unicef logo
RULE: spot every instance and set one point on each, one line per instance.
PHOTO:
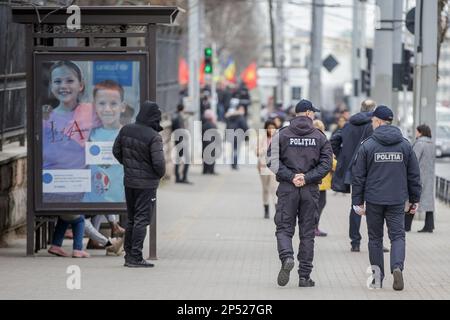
(94, 150)
(47, 178)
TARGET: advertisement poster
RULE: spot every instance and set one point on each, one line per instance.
(85, 103)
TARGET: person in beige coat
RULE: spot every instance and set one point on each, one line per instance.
(268, 179)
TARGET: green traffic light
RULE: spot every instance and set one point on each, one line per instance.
(208, 52)
(208, 69)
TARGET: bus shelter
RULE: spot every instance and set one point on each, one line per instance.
(71, 169)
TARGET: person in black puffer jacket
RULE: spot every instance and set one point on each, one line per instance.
(345, 144)
(139, 148)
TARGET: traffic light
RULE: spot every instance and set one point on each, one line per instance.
(408, 69)
(208, 61)
(403, 73)
(366, 82)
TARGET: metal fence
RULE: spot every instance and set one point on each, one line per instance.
(167, 90)
(12, 78)
(443, 189)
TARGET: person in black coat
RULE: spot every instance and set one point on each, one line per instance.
(139, 148)
(345, 144)
(235, 121)
(385, 175)
(179, 122)
(209, 127)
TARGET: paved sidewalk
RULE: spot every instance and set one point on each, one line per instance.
(214, 244)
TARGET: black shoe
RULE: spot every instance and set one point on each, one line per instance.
(266, 212)
(398, 280)
(355, 249)
(425, 230)
(140, 264)
(306, 283)
(186, 182)
(283, 275)
(385, 250)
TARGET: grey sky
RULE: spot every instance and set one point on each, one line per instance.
(337, 20)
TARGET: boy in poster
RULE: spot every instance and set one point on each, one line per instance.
(107, 173)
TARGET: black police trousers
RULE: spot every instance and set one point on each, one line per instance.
(395, 221)
(302, 204)
(140, 208)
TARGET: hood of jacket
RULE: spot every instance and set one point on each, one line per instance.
(302, 126)
(388, 135)
(360, 119)
(150, 115)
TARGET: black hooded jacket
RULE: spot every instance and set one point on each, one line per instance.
(300, 148)
(139, 148)
(386, 170)
(345, 144)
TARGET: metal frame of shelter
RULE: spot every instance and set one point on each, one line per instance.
(105, 30)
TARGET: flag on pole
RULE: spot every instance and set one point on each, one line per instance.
(230, 71)
(202, 73)
(183, 72)
(249, 76)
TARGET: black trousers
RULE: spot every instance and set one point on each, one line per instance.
(355, 225)
(302, 204)
(395, 221)
(208, 168)
(140, 207)
(185, 172)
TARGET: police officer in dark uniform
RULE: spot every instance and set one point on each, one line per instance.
(385, 175)
(300, 156)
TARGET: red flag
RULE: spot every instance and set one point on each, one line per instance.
(249, 76)
(202, 73)
(183, 72)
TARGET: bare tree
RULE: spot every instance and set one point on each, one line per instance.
(235, 26)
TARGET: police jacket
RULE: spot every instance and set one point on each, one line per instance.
(139, 148)
(386, 170)
(300, 148)
(345, 144)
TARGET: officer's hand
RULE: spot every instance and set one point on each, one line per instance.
(360, 210)
(413, 208)
(299, 180)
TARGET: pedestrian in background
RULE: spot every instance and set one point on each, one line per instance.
(268, 179)
(139, 148)
(236, 121)
(345, 145)
(426, 155)
(325, 185)
(179, 122)
(385, 175)
(209, 123)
